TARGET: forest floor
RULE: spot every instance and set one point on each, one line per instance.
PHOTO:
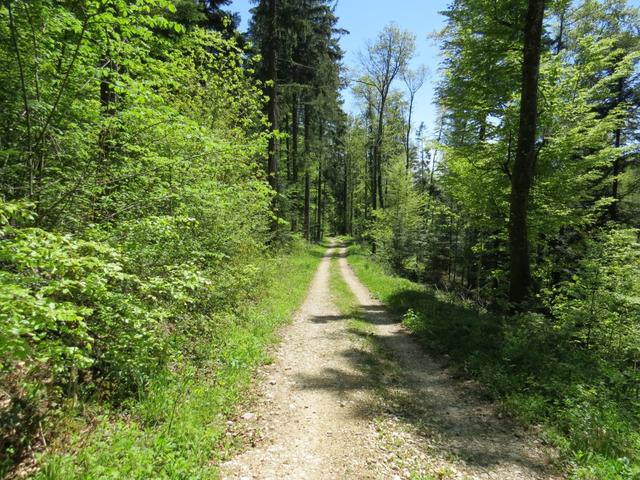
(350, 394)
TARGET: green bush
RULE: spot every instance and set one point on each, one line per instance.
(599, 307)
(73, 324)
(133, 209)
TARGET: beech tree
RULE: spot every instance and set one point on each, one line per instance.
(413, 81)
(384, 59)
(523, 167)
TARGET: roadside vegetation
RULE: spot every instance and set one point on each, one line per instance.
(540, 373)
(176, 428)
(159, 168)
(140, 274)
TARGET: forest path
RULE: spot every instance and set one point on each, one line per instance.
(307, 414)
(349, 400)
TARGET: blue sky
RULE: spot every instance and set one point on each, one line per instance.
(365, 18)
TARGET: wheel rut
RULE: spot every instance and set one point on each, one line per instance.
(338, 404)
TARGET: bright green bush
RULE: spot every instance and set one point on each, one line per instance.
(176, 429)
(69, 306)
(600, 305)
(133, 207)
(73, 324)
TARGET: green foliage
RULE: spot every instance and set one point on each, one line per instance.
(398, 228)
(570, 363)
(309, 122)
(540, 367)
(135, 218)
(73, 324)
(600, 304)
(584, 150)
(177, 429)
(133, 208)
(67, 306)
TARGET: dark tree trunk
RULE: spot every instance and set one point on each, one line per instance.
(318, 233)
(371, 150)
(380, 195)
(294, 138)
(559, 40)
(287, 147)
(374, 179)
(345, 198)
(108, 99)
(307, 199)
(614, 212)
(351, 212)
(272, 92)
(307, 180)
(377, 152)
(523, 169)
(407, 139)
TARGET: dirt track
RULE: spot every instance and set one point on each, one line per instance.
(338, 403)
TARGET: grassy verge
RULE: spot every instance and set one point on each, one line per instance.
(177, 429)
(538, 375)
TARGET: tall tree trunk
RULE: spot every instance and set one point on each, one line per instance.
(371, 151)
(287, 147)
(377, 152)
(346, 199)
(559, 39)
(351, 212)
(294, 137)
(108, 101)
(307, 199)
(30, 164)
(380, 194)
(272, 92)
(318, 233)
(523, 169)
(307, 180)
(614, 208)
(407, 139)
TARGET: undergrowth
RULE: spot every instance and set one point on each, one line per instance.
(539, 374)
(177, 428)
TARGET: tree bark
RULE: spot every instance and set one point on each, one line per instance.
(380, 194)
(287, 147)
(523, 169)
(614, 212)
(272, 92)
(307, 180)
(614, 208)
(307, 199)
(294, 138)
(371, 151)
(377, 151)
(318, 233)
(407, 139)
(346, 196)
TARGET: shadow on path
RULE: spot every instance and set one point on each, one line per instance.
(409, 387)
